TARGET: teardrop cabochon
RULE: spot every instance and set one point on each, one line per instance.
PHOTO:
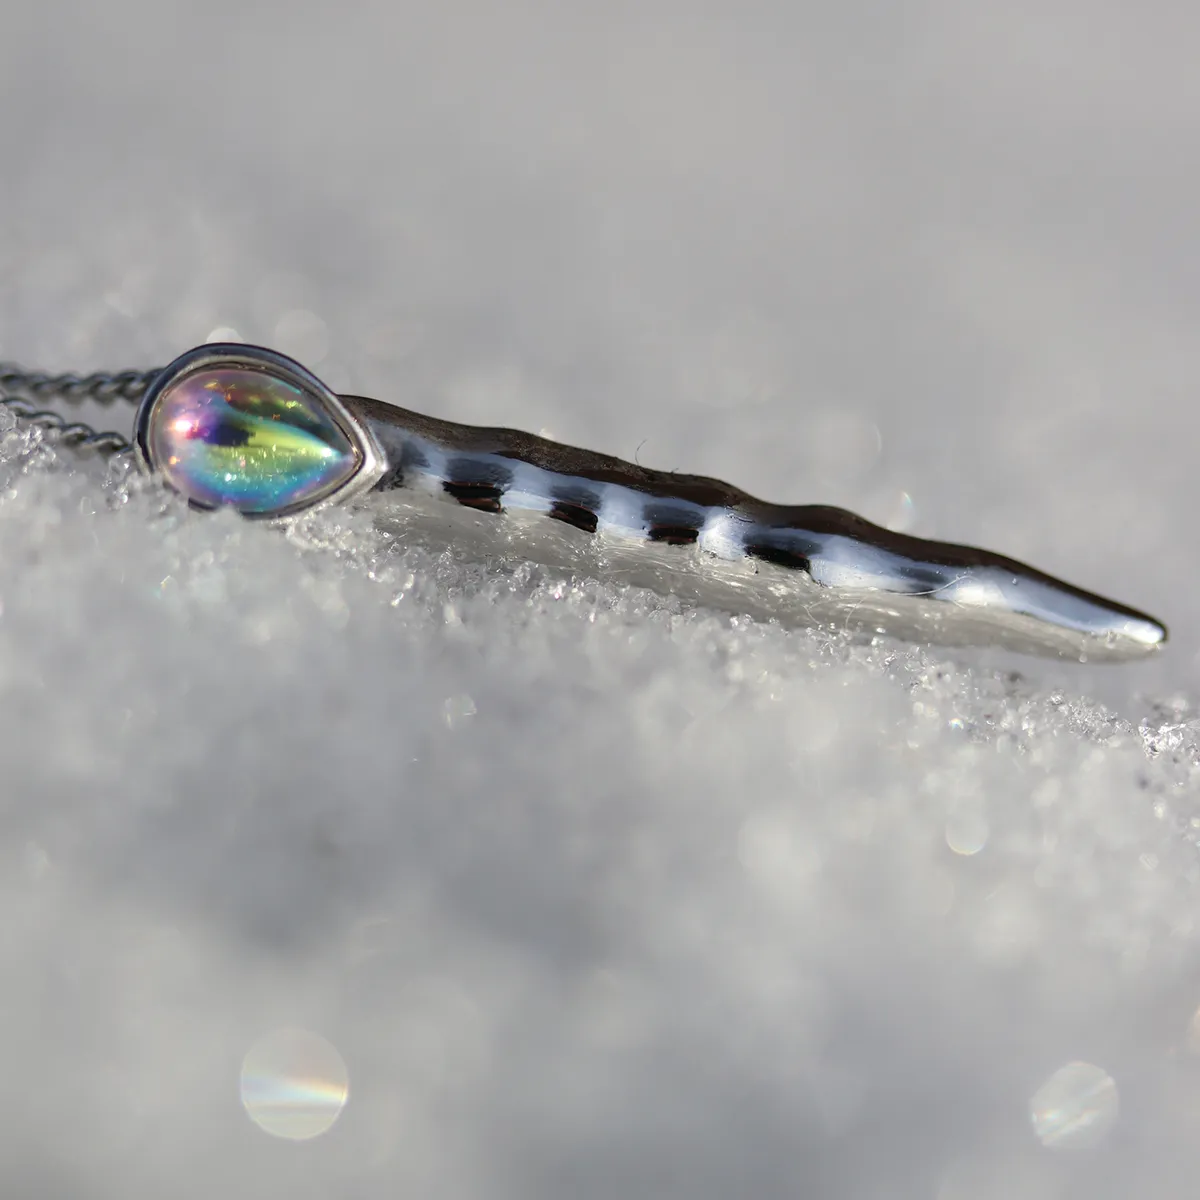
(228, 424)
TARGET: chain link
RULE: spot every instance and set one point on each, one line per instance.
(101, 387)
(21, 393)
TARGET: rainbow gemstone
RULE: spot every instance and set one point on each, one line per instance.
(242, 436)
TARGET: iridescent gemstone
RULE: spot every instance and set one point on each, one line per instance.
(240, 436)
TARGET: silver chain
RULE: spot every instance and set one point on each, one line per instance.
(22, 392)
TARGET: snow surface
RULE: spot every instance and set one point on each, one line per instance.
(586, 895)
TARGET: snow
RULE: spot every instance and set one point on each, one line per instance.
(545, 886)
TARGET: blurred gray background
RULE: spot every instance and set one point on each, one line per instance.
(588, 900)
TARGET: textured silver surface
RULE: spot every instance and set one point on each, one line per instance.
(682, 535)
(702, 540)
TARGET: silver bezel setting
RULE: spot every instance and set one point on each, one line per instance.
(372, 461)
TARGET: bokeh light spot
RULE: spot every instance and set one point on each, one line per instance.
(1075, 1108)
(967, 833)
(303, 335)
(294, 1084)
